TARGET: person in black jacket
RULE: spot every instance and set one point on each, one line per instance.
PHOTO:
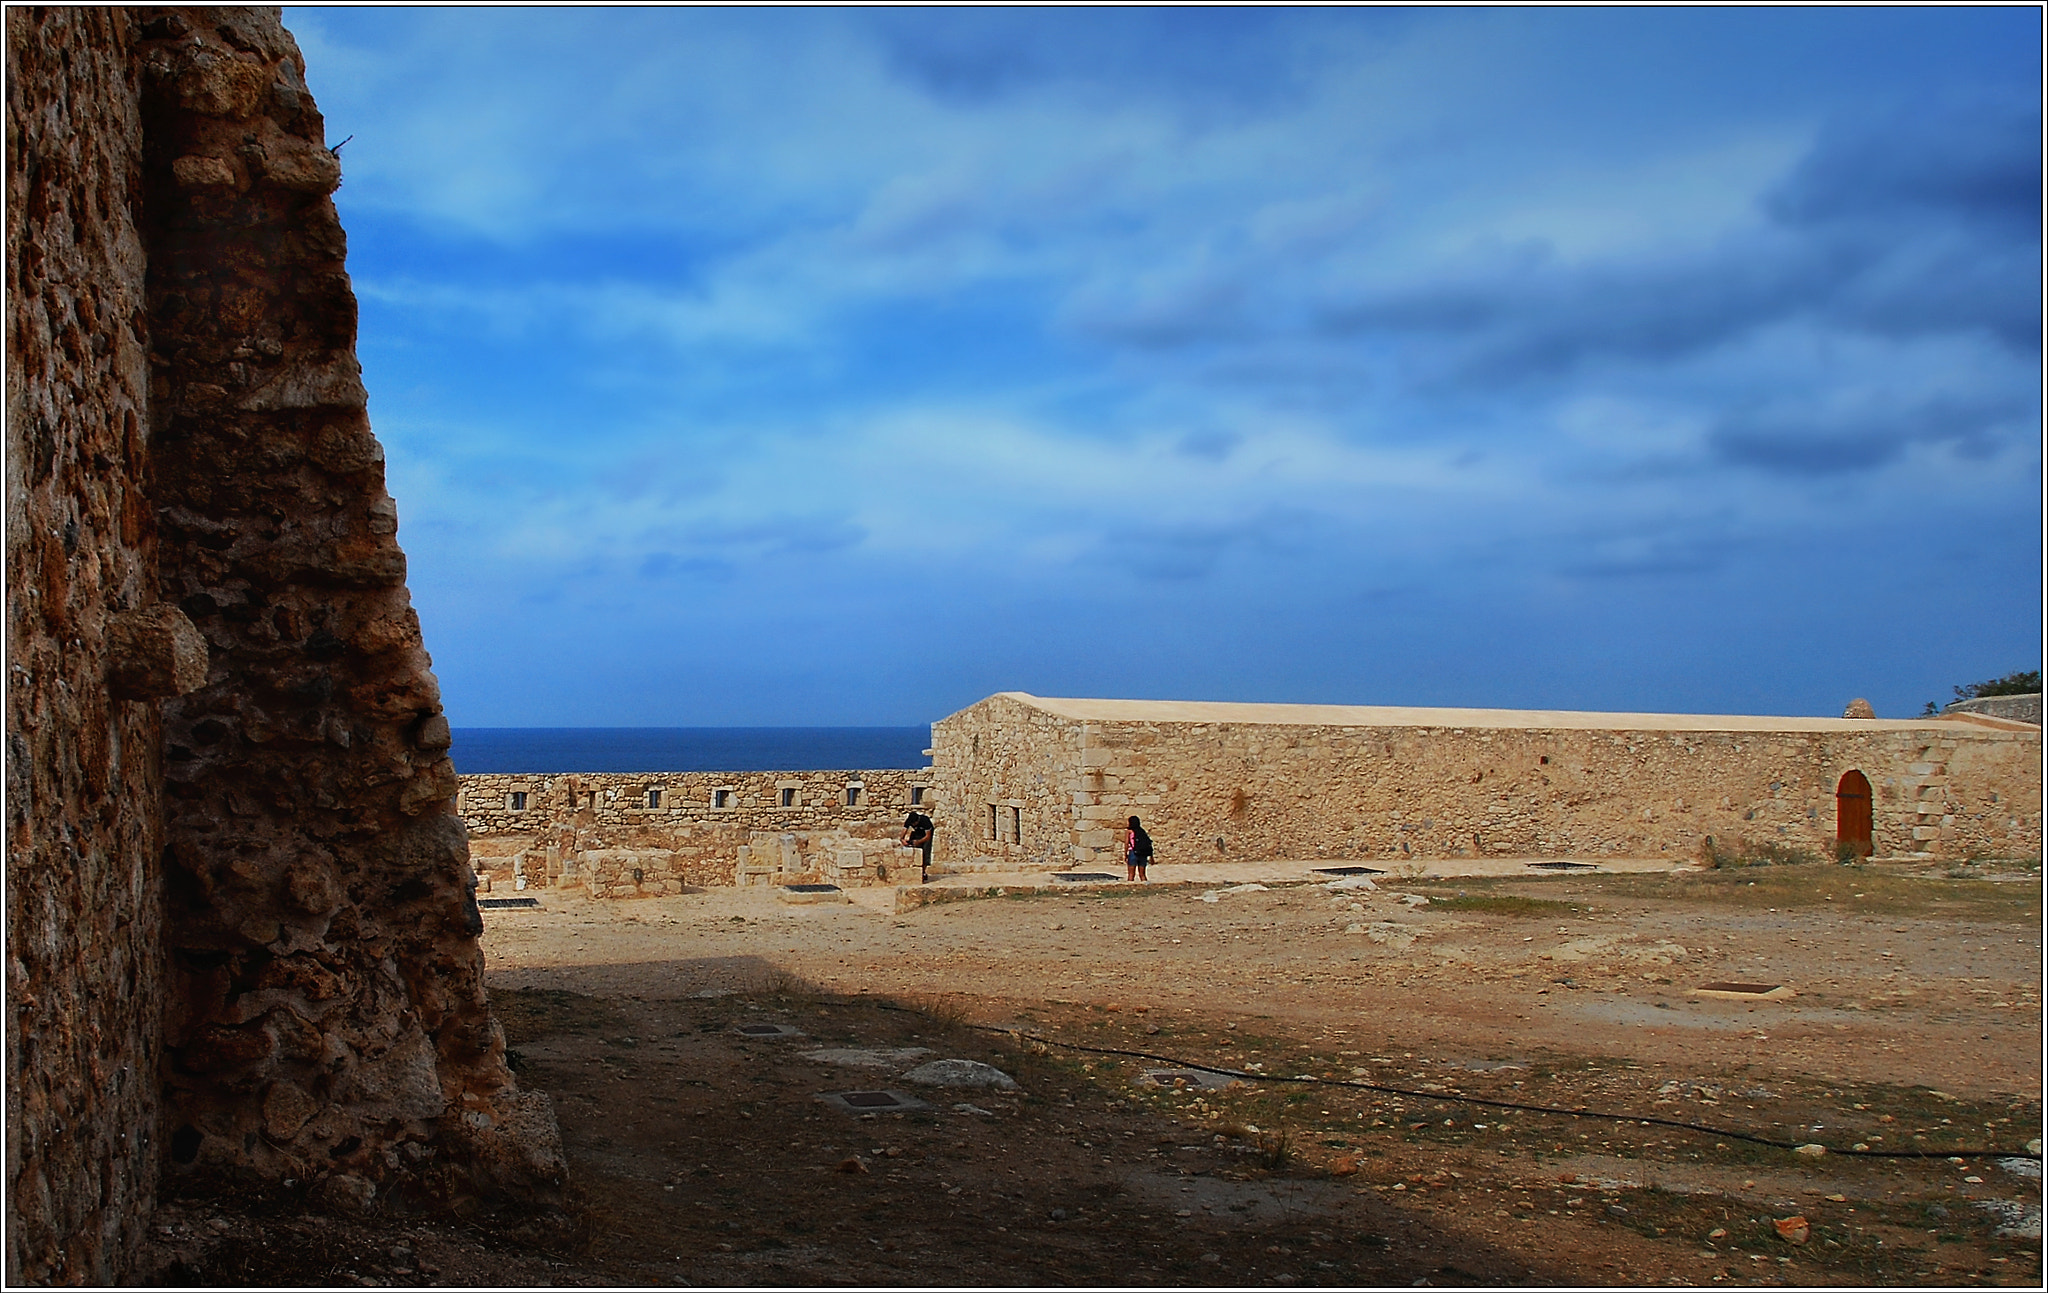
(1137, 851)
(917, 834)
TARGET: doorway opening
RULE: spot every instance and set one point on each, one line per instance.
(1852, 815)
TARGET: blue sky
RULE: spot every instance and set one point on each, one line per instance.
(777, 366)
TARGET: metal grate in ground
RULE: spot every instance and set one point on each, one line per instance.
(873, 1101)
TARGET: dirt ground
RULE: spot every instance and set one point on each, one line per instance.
(701, 1154)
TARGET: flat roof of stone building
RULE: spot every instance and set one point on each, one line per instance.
(1223, 711)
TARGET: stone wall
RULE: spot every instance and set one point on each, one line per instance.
(242, 941)
(85, 974)
(617, 835)
(2021, 709)
(752, 800)
(327, 1011)
(1050, 783)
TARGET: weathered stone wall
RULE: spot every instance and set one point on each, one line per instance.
(753, 800)
(2022, 709)
(1413, 788)
(239, 930)
(594, 831)
(327, 1017)
(84, 896)
(1012, 777)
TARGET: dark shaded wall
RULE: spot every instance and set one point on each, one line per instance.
(242, 931)
(84, 900)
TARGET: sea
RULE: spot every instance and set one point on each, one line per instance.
(689, 749)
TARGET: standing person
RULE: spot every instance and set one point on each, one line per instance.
(917, 834)
(1137, 851)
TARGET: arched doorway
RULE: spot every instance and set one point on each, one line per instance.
(1852, 814)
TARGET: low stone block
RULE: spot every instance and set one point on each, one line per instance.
(155, 653)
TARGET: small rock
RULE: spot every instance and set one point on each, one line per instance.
(1812, 1151)
(1344, 1167)
(348, 1193)
(853, 1166)
(966, 1073)
(1718, 1232)
(1212, 1257)
(1059, 1214)
(1793, 1230)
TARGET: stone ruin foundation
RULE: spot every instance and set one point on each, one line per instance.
(242, 930)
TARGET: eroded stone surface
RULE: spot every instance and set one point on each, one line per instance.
(241, 929)
(84, 897)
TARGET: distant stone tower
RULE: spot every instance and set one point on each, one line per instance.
(1859, 708)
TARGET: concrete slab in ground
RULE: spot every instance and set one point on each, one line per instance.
(1223, 874)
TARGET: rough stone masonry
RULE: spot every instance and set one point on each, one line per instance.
(1049, 782)
(242, 936)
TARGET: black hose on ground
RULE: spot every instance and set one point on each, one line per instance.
(1449, 1097)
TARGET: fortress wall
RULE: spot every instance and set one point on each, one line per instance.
(327, 1019)
(240, 937)
(2021, 709)
(1013, 779)
(1210, 791)
(754, 799)
(84, 895)
(595, 830)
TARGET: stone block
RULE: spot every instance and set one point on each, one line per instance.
(155, 653)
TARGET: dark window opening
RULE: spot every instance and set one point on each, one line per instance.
(721, 799)
(917, 794)
(1016, 826)
(852, 796)
(789, 796)
(992, 822)
(519, 801)
(654, 799)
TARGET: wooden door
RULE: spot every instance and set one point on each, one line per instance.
(1852, 812)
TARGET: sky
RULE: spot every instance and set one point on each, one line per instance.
(755, 366)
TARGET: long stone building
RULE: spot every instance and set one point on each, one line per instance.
(1050, 783)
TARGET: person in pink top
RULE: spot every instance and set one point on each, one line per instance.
(1137, 851)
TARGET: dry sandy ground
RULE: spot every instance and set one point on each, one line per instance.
(703, 1155)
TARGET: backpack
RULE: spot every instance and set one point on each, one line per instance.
(1142, 847)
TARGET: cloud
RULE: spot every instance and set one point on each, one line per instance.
(1191, 550)
(1843, 439)
(1975, 158)
(1238, 314)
